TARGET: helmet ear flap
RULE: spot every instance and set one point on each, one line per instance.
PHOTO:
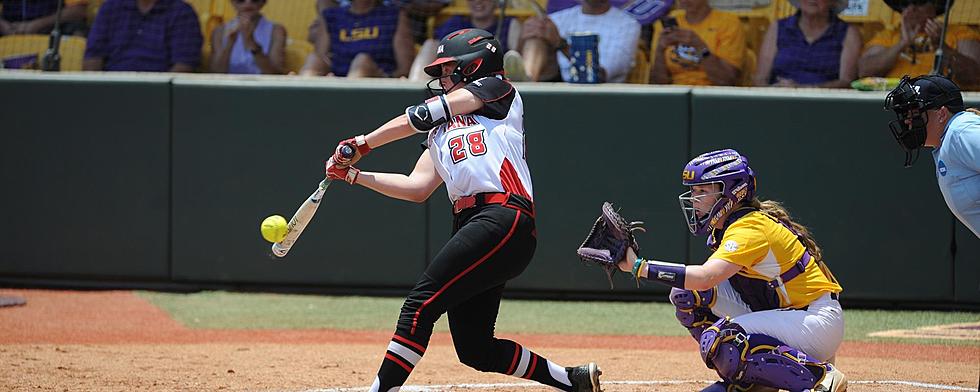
(473, 66)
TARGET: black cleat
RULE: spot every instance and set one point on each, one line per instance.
(585, 378)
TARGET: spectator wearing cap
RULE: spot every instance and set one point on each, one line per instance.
(365, 38)
(931, 114)
(911, 49)
(249, 43)
(38, 16)
(706, 47)
(144, 35)
(482, 16)
(811, 48)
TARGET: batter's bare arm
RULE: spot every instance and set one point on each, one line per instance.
(415, 187)
(424, 117)
(459, 102)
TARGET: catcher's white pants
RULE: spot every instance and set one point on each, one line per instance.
(817, 331)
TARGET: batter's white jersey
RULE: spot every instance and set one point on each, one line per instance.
(484, 151)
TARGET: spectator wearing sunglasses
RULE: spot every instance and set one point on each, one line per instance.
(911, 48)
(250, 43)
(144, 35)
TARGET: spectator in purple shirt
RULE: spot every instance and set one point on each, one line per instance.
(812, 48)
(38, 16)
(144, 35)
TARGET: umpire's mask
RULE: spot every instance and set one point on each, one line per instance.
(910, 100)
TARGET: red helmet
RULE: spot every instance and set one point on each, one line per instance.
(476, 52)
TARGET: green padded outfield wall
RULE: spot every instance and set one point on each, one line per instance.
(161, 178)
(586, 146)
(247, 149)
(85, 169)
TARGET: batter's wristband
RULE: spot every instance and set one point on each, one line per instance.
(360, 142)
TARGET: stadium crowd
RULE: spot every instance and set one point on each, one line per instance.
(798, 43)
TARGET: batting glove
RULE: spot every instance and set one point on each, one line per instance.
(359, 143)
(346, 173)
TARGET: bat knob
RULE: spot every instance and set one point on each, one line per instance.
(346, 151)
(278, 251)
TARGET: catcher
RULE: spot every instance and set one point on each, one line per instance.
(763, 307)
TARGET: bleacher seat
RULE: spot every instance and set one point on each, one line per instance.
(296, 52)
(72, 49)
(640, 73)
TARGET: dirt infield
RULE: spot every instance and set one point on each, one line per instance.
(113, 340)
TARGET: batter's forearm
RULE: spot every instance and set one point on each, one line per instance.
(398, 186)
(395, 129)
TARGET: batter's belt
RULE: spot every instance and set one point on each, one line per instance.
(506, 199)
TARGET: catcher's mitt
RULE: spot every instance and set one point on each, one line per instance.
(607, 242)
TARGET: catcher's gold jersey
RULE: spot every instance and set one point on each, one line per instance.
(765, 249)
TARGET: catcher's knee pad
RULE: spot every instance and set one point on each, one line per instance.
(746, 359)
(694, 309)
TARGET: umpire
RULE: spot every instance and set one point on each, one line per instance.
(931, 114)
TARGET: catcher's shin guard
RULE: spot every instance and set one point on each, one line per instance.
(694, 309)
(744, 359)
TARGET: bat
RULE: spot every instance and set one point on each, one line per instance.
(305, 212)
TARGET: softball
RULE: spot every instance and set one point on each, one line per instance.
(274, 228)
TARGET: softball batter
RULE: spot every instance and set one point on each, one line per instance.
(475, 145)
(763, 307)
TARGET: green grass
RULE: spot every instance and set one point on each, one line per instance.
(225, 310)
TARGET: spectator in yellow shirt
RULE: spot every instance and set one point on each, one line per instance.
(911, 49)
(705, 47)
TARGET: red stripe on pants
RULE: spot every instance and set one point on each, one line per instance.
(410, 343)
(415, 319)
(513, 362)
(404, 365)
(534, 362)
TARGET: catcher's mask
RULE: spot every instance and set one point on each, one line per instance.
(910, 100)
(476, 53)
(725, 167)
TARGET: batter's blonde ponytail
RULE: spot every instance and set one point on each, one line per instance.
(776, 210)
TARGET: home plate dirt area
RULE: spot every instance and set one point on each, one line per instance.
(118, 341)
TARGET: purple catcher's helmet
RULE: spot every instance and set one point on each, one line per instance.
(726, 167)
